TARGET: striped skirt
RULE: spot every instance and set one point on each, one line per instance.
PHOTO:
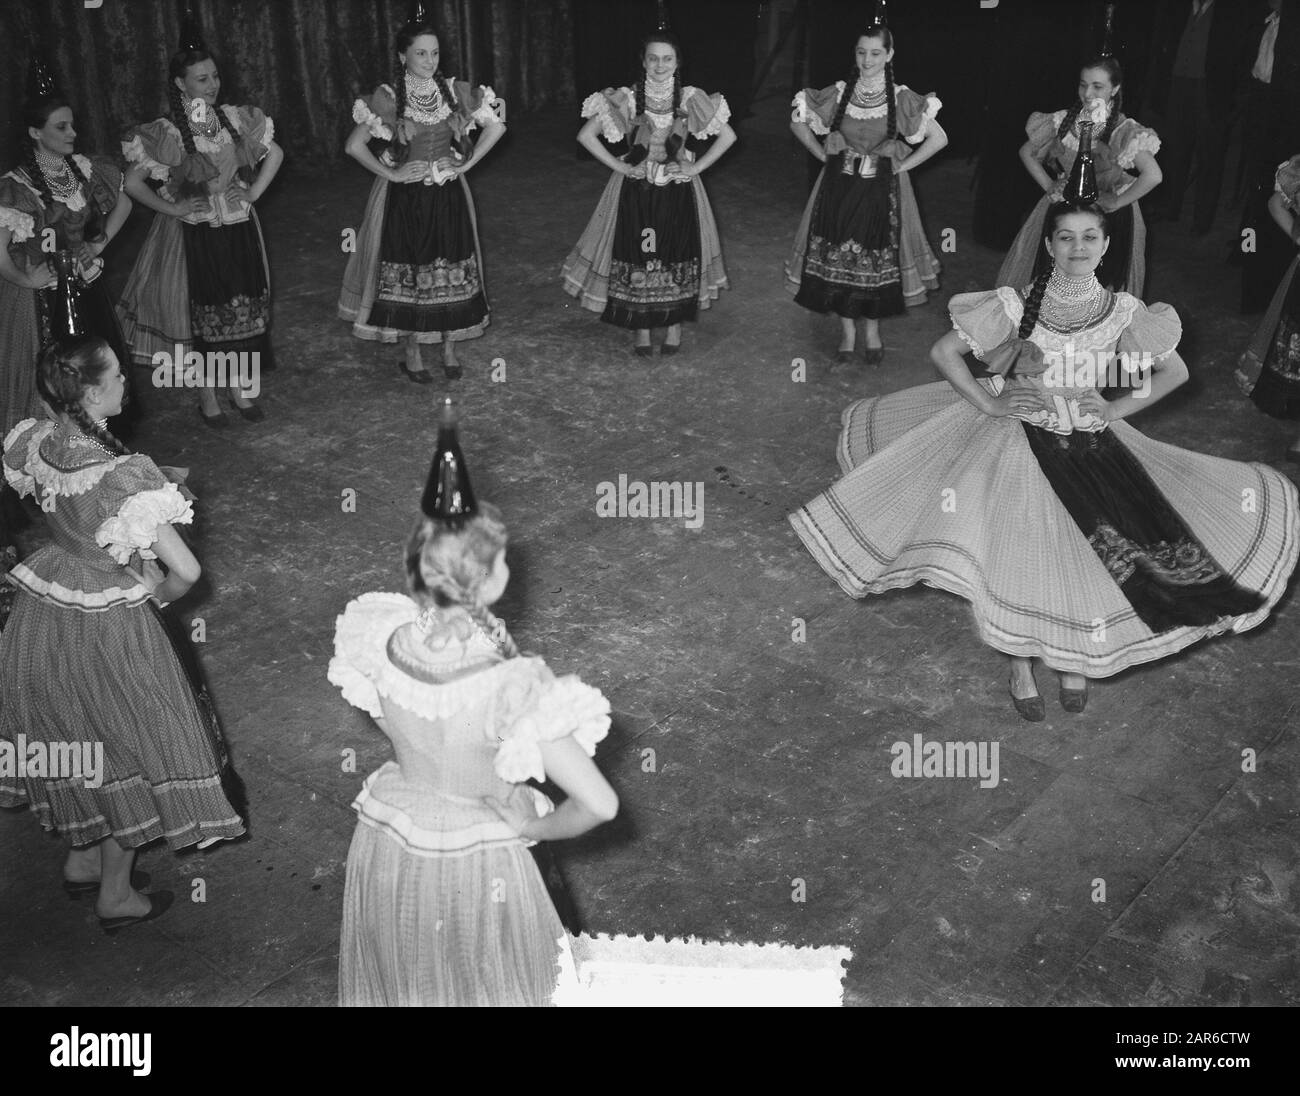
(937, 492)
(473, 929)
(112, 679)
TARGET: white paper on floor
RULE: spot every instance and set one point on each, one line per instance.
(630, 970)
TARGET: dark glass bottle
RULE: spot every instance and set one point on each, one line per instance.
(65, 307)
(1081, 187)
(447, 495)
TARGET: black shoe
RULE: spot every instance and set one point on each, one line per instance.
(845, 357)
(1074, 700)
(874, 355)
(643, 351)
(669, 349)
(1031, 708)
(251, 413)
(219, 421)
(452, 372)
(139, 880)
(159, 903)
(420, 376)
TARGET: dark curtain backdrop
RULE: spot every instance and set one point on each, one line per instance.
(302, 61)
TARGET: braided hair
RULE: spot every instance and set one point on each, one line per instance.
(181, 63)
(1114, 111)
(876, 30)
(1044, 266)
(446, 567)
(63, 373)
(36, 115)
(673, 145)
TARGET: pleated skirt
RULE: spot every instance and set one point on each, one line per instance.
(1124, 266)
(631, 288)
(917, 267)
(418, 266)
(936, 492)
(112, 677)
(471, 930)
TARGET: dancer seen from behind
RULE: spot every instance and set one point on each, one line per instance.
(1269, 371)
(1078, 541)
(860, 251)
(417, 274)
(650, 256)
(201, 280)
(443, 904)
(88, 657)
(1125, 168)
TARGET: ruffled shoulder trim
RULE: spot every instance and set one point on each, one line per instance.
(105, 171)
(1131, 138)
(613, 107)
(915, 112)
(360, 639)
(135, 525)
(815, 107)
(705, 114)
(378, 122)
(19, 207)
(155, 146)
(479, 106)
(253, 124)
(987, 319)
(1153, 330)
(82, 471)
(534, 707)
(19, 444)
(1041, 129)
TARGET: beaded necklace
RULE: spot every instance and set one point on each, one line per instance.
(1073, 303)
(424, 100)
(59, 177)
(658, 95)
(869, 93)
(210, 124)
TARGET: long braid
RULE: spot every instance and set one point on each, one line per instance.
(1067, 123)
(891, 107)
(33, 169)
(88, 426)
(397, 148)
(245, 171)
(673, 145)
(843, 104)
(1033, 303)
(180, 118)
(1116, 108)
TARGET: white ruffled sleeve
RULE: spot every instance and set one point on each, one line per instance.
(20, 225)
(1140, 139)
(133, 152)
(815, 107)
(604, 105)
(135, 526)
(16, 474)
(490, 107)
(552, 709)
(360, 642)
(363, 115)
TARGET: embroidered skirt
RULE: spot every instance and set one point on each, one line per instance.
(418, 267)
(649, 257)
(860, 250)
(1269, 371)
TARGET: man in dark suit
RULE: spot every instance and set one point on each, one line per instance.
(1198, 64)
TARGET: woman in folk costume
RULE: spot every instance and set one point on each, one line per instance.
(860, 251)
(201, 281)
(650, 256)
(1124, 165)
(74, 202)
(443, 904)
(1269, 371)
(1077, 540)
(87, 657)
(417, 273)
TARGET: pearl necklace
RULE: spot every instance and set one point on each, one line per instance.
(659, 95)
(1073, 303)
(869, 93)
(63, 183)
(424, 100)
(210, 124)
